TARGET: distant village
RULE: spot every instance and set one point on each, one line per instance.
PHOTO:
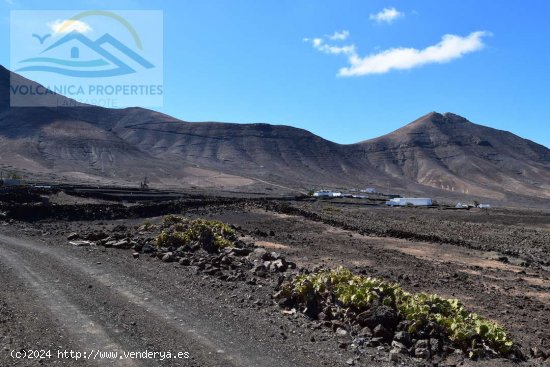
(391, 200)
(369, 193)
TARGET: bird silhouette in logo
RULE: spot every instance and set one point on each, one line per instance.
(41, 39)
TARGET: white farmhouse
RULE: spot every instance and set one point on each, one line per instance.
(409, 201)
(369, 190)
(327, 194)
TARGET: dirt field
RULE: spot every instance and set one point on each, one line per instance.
(496, 262)
(476, 272)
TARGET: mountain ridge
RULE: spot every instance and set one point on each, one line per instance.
(436, 154)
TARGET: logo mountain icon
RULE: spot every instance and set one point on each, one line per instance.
(99, 62)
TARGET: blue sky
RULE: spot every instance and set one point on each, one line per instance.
(388, 62)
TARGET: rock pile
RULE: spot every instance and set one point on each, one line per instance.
(211, 247)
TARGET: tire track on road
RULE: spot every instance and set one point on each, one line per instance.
(207, 341)
(87, 334)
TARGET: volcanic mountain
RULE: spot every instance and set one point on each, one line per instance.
(442, 155)
(448, 152)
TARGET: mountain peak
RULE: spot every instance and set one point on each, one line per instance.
(436, 117)
(452, 117)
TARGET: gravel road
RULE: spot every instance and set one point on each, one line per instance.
(64, 298)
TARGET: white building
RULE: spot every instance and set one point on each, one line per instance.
(327, 194)
(484, 206)
(409, 201)
(369, 190)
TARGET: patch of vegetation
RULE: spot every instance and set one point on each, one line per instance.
(171, 219)
(467, 331)
(147, 225)
(211, 235)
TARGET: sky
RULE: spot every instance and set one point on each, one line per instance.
(346, 70)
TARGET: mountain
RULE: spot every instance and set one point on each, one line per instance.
(441, 155)
(447, 151)
(78, 144)
(280, 154)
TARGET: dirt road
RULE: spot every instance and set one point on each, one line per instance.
(59, 298)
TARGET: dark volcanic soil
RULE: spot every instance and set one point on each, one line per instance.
(495, 262)
(516, 296)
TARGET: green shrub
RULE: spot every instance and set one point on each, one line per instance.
(171, 219)
(175, 239)
(147, 225)
(466, 330)
(181, 232)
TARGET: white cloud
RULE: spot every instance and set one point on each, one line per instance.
(66, 26)
(387, 15)
(401, 58)
(449, 48)
(339, 36)
(320, 45)
(336, 50)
